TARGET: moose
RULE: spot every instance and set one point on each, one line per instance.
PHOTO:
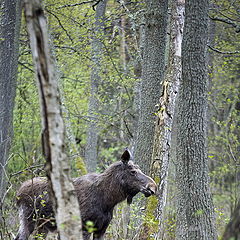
(97, 195)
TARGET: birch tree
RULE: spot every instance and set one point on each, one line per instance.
(66, 206)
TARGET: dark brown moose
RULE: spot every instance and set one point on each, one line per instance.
(97, 194)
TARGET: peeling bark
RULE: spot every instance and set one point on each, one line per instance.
(166, 112)
(66, 206)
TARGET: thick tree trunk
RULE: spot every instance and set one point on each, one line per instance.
(195, 213)
(153, 65)
(91, 151)
(65, 202)
(166, 113)
(10, 20)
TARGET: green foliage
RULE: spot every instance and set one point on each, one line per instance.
(224, 128)
(90, 226)
(39, 236)
(150, 220)
(72, 30)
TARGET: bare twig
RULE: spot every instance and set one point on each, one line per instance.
(228, 21)
(76, 4)
(128, 130)
(232, 154)
(222, 52)
(26, 169)
(59, 21)
(25, 66)
(95, 4)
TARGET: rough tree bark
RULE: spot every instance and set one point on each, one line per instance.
(153, 65)
(166, 112)
(66, 206)
(91, 150)
(195, 212)
(10, 20)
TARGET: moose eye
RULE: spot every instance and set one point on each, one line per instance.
(133, 172)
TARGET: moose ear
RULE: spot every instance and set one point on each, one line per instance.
(126, 156)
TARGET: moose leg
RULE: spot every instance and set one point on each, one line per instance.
(86, 235)
(98, 237)
(99, 234)
(26, 226)
(23, 232)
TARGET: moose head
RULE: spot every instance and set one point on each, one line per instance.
(133, 180)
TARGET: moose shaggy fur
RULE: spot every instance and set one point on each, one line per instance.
(97, 194)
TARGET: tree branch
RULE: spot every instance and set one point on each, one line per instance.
(78, 4)
(221, 52)
(61, 25)
(228, 21)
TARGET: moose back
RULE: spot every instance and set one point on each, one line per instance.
(97, 195)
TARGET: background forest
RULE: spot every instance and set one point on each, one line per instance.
(102, 51)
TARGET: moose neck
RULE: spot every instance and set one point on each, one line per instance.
(114, 192)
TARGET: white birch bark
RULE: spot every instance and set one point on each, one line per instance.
(66, 206)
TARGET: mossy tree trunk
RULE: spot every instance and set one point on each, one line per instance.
(166, 113)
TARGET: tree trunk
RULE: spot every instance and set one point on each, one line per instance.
(10, 20)
(232, 231)
(153, 65)
(66, 206)
(91, 151)
(195, 213)
(125, 218)
(166, 113)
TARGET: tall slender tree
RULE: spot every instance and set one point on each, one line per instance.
(65, 201)
(91, 150)
(10, 19)
(195, 212)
